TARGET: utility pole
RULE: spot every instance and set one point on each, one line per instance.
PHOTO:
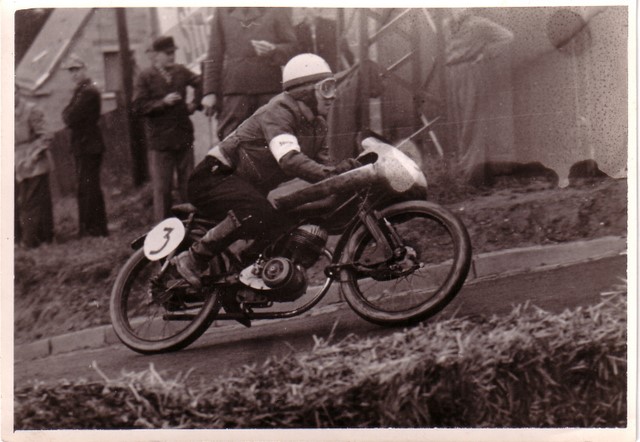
(133, 130)
(448, 136)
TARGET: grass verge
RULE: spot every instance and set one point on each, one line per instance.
(65, 286)
(529, 368)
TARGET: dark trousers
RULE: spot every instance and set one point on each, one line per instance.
(92, 215)
(162, 165)
(216, 193)
(35, 210)
(236, 109)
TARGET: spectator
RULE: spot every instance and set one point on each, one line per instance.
(242, 69)
(81, 116)
(318, 35)
(472, 41)
(161, 98)
(32, 166)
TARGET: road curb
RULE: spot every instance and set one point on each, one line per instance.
(524, 259)
(488, 265)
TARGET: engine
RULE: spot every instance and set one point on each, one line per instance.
(305, 244)
(282, 278)
(287, 279)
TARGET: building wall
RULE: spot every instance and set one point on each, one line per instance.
(97, 37)
(91, 42)
(570, 104)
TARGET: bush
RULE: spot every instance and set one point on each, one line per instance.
(527, 369)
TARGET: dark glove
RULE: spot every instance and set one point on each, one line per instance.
(297, 164)
(346, 165)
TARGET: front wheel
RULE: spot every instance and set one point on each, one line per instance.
(437, 257)
(155, 316)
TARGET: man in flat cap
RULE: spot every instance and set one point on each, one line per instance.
(161, 98)
(81, 115)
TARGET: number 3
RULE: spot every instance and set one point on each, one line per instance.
(167, 237)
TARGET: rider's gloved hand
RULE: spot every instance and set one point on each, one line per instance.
(347, 164)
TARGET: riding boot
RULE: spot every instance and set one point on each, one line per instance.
(192, 263)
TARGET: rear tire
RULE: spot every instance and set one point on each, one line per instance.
(443, 250)
(142, 323)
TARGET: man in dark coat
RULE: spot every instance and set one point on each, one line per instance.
(242, 70)
(318, 35)
(160, 97)
(81, 115)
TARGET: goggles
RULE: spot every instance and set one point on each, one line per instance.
(327, 88)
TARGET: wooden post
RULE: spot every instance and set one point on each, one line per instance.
(416, 67)
(364, 71)
(338, 37)
(133, 132)
(448, 135)
(155, 26)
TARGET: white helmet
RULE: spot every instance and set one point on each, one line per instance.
(304, 68)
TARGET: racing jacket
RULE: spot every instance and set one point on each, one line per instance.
(280, 141)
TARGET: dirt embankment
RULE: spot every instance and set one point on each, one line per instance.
(65, 286)
(519, 217)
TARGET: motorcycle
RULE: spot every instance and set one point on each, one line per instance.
(398, 259)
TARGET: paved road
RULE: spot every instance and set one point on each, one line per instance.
(553, 290)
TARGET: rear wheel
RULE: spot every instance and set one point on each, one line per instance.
(151, 316)
(436, 256)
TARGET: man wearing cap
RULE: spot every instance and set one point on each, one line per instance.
(81, 116)
(32, 166)
(160, 97)
(242, 70)
(282, 140)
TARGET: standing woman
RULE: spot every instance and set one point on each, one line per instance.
(81, 116)
(473, 44)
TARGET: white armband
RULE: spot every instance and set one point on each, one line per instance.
(281, 145)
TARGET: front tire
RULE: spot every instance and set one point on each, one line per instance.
(443, 254)
(149, 325)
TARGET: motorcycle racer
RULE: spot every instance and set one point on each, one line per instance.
(284, 139)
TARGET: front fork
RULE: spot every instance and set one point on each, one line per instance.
(395, 257)
(384, 234)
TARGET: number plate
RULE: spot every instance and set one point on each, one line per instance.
(163, 239)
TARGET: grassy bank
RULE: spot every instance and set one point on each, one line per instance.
(530, 368)
(65, 286)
